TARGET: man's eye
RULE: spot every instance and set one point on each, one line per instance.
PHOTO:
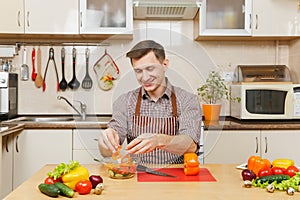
(150, 68)
(138, 71)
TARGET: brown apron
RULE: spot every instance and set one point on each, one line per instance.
(147, 124)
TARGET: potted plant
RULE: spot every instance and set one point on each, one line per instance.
(211, 93)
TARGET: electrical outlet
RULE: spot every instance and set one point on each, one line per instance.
(228, 76)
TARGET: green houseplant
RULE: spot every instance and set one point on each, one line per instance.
(211, 93)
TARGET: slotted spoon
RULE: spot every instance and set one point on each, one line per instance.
(87, 82)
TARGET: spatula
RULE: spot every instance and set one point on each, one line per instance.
(87, 82)
(38, 79)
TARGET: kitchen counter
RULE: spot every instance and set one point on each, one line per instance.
(229, 185)
(94, 122)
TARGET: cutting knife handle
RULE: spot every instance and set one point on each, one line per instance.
(141, 168)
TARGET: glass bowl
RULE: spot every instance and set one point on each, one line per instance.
(120, 170)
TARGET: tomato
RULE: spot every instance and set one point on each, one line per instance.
(278, 170)
(291, 171)
(265, 172)
(50, 180)
(83, 186)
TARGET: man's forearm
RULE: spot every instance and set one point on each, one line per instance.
(178, 144)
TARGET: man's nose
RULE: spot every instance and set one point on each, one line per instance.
(145, 75)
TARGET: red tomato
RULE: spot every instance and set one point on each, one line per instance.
(265, 172)
(278, 170)
(291, 171)
(83, 186)
(50, 180)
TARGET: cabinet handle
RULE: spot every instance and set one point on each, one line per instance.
(266, 141)
(256, 151)
(256, 19)
(80, 19)
(19, 23)
(28, 18)
(6, 145)
(17, 148)
(250, 24)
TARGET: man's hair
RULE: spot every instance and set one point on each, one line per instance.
(144, 47)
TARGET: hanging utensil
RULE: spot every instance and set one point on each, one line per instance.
(38, 79)
(24, 67)
(51, 57)
(63, 83)
(33, 74)
(74, 83)
(107, 71)
(87, 82)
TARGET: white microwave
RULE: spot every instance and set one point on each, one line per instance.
(278, 100)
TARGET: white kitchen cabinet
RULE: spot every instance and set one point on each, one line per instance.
(6, 166)
(280, 144)
(12, 16)
(35, 148)
(85, 146)
(34, 17)
(230, 146)
(224, 18)
(275, 18)
(106, 17)
(235, 146)
(253, 18)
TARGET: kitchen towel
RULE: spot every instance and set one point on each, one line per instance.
(203, 176)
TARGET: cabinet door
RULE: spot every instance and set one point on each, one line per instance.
(52, 17)
(225, 18)
(106, 17)
(7, 165)
(230, 147)
(36, 148)
(275, 18)
(281, 144)
(12, 16)
(85, 146)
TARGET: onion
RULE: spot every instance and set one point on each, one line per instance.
(95, 180)
(248, 175)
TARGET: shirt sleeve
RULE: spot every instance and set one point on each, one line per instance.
(120, 117)
(190, 118)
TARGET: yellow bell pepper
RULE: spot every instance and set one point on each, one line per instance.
(77, 174)
(283, 163)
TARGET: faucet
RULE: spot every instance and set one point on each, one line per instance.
(82, 112)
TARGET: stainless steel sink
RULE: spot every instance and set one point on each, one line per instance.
(46, 119)
(62, 119)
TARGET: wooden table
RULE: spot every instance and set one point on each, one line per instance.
(229, 185)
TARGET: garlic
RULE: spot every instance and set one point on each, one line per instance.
(270, 188)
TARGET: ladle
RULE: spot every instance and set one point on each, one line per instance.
(74, 83)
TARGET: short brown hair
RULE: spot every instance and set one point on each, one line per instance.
(144, 47)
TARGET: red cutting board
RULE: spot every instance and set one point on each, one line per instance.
(203, 176)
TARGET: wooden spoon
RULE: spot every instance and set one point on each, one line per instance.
(39, 79)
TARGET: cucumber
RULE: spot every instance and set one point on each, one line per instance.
(270, 179)
(49, 190)
(64, 189)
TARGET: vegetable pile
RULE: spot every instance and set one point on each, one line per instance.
(65, 179)
(281, 175)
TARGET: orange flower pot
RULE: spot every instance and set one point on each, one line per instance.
(211, 112)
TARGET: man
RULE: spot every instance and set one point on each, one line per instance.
(161, 122)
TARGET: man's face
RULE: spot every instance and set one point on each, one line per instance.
(149, 72)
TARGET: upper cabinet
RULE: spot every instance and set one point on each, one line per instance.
(275, 18)
(34, 17)
(51, 17)
(225, 18)
(12, 16)
(252, 18)
(106, 17)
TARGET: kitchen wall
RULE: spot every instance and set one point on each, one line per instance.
(190, 62)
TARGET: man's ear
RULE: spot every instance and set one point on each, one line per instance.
(165, 64)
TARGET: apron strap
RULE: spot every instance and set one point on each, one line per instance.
(173, 98)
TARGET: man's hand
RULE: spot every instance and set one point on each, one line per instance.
(144, 143)
(108, 142)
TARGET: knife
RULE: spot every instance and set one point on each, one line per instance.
(142, 168)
